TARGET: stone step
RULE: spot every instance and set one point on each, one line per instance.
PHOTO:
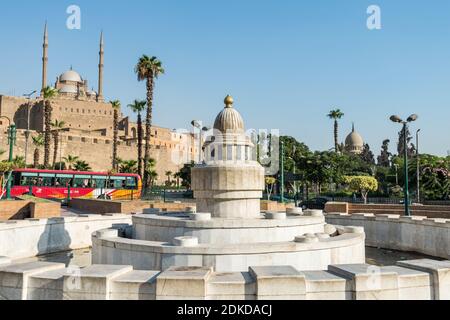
(14, 278)
(417, 280)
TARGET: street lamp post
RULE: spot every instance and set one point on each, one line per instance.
(12, 131)
(396, 174)
(397, 119)
(282, 173)
(418, 166)
(27, 132)
(197, 124)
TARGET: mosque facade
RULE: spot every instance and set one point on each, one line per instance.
(88, 130)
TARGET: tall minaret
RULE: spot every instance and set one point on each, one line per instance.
(100, 71)
(45, 58)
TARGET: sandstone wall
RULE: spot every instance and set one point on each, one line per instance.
(97, 152)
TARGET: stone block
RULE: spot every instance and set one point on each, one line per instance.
(331, 230)
(235, 286)
(323, 285)
(185, 241)
(135, 285)
(14, 278)
(92, 283)
(440, 275)
(283, 282)
(47, 285)
(294, 211)
(336, 207)
(276, 215)
(182, 283)
(107, 233)
(200, 216)
(412, 284)
(368, 282)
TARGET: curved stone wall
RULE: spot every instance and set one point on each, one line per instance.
(416, 234)
(108, 248)
(33, 237)
(164, 228)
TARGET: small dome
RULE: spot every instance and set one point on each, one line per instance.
(68, 89)
(354, 139)
(70, 76)
(229, 120)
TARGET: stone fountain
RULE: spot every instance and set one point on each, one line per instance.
(228, 231)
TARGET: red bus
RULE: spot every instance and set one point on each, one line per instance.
(53, 184)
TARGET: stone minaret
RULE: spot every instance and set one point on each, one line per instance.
(45, 58)
(100, 71)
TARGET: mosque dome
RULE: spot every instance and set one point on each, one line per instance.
(68, 89)
(71, 76)
(354, 142)
(229, 120)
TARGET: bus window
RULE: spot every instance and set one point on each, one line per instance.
(26, 179)
(117, 182)
(82, 181)
(131, 183)
(63, 180)
(99, 182)
(46, 180)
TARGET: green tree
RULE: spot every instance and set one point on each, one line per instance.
(81, 165)
(185, 175)
(384, 159)
(169, 177)
(177, 176)
(71, 161)
(270, 183)
(148, 69)
(362, 184)
(38, 142)
(336, 115)
(57, 126)
(129, 166)
(48, 93)
(150, 173)
(116, 108)
(138, 107)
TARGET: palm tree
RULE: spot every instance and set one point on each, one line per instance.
(129, 166)
(336, 115)
(177, 176)
(151, 173)
(19, 162)
(70, 160)
(152, 176)
(38, 142)
(48, 93)
(148, 69)
(81, 165)
(57, 127)
(116, 107)
(137, 107)
(169, 177)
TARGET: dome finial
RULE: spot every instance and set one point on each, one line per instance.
(353, 127)
(229, 101)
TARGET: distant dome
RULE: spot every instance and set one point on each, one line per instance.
(68, 89)
(354, 142)
(71, 76)
(229, 120)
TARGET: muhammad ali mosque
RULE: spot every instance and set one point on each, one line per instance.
(88, 119)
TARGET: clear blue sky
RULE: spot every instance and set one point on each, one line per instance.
(287, 63)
